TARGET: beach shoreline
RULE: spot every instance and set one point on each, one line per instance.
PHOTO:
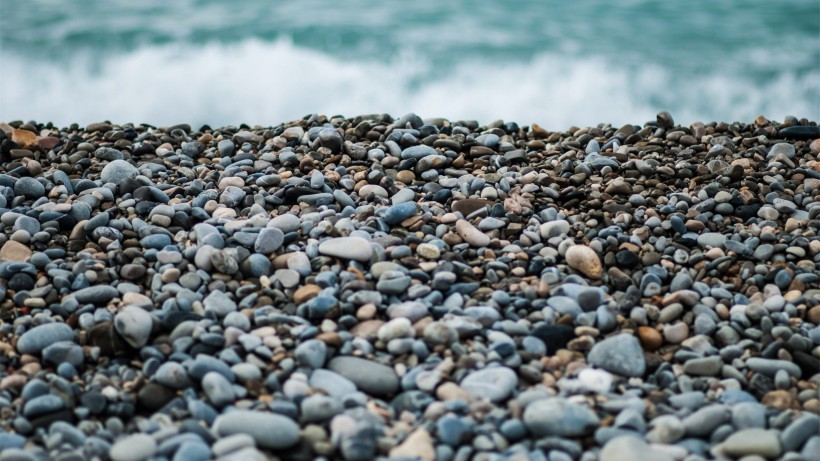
(373, 287)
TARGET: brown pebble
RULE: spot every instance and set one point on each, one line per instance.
(470, 205)
(367, 329)
(306, 293)
(451, 391)
(406, 176)
(170, 276)
(331, 338)
(26, 139)
(812, 405)
(813, 315)
(782, 400)
(14, 252)
(585, 259)
(651, 339)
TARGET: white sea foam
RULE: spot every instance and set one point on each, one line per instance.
(258, 82)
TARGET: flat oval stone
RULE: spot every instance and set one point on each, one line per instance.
(471, 234)
(38, 338)
(355, 248)
(269, 430)
(470, 205)
(97, 294)
(631, 447)
(118, 171)
(398, 213)
(286, 223)
(585, 260)
(418, 152)
(558, 417)
(369, 376)
(754, 441)
(769, 367)
(495, 384)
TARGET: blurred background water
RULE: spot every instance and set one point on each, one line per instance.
(553, 63)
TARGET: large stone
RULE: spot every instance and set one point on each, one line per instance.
(552, 229)
(269, 430)
(97, 294)
(470, 205)
(14, 252)
(620, 354)
(585, 260)
(495, 384)
(38, 338)
(471, 234)
(269, 240)
(134, 325)
(29, 188)
(369, 376)
(137, 447)
(418, 152)
(555, 416)
(754, 441)
(118, 171)
(355, 248)
(219, 303)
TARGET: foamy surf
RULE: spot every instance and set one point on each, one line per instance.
(257, 82)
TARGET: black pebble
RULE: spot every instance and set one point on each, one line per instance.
(554, 336)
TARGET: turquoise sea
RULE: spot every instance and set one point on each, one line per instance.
(553, 63)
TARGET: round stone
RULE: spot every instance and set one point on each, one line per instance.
(428, 250)
(495, 384)
(118, 171)
(134, 324)
(137, 447)
(29, 188)
(585, 260)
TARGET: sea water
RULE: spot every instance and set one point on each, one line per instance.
(557, 64)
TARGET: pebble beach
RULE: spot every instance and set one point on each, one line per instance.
(410, 288)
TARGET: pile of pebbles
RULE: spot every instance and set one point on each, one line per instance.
(370, 287)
